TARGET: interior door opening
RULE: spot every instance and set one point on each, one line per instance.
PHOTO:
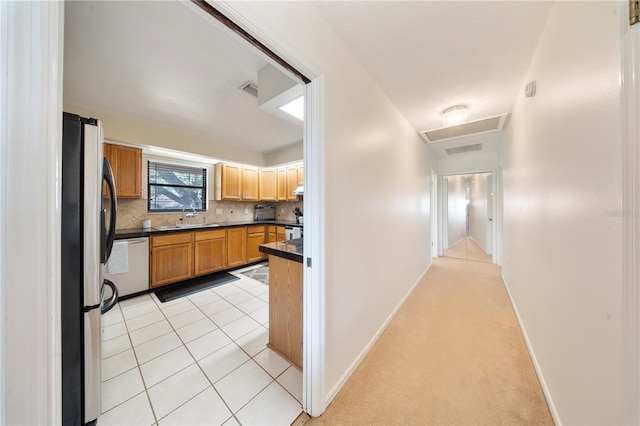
(468, 216)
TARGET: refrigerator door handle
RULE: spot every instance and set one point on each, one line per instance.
(106, 307)
(107, 175)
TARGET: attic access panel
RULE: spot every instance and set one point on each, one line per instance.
(485, 125)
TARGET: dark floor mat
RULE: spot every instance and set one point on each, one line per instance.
(194, 285)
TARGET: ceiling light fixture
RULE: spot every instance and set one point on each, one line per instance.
(294, 107)
(454, 115)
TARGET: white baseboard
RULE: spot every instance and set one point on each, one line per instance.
(334, 391)
(536, 366)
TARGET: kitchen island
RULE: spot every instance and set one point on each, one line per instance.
(285, 297)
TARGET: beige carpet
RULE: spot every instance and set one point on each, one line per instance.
(454, 354)
(468, 249)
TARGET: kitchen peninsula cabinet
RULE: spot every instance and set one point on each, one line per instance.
(171, 258)
(236, 246)
(126, 163)
(255, 237)
(210, 251)
(285, 298)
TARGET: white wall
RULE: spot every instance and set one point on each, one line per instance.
(456, 220)
(562, 207)
(478, 213)
(376, 180)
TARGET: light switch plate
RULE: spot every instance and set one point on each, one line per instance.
(218, 211)
(246, 211)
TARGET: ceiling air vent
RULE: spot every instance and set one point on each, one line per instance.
(485, 125)
(466, 148)
(250, 87)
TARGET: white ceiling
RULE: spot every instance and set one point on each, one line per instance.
(429, 55)
(160, 62)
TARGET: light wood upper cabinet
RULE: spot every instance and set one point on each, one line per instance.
(300, 175)
(255, 237)
(281, 194)
(228, 182)
(292, 182)
(210, 251)
(236, 246)
(126, 163)
(249, 184)
(267, 185)
(171, 258)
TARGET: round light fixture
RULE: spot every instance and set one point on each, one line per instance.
(454, 115)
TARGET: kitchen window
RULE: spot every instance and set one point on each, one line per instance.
(174, 188)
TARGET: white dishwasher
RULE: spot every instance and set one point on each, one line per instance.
(130, 276)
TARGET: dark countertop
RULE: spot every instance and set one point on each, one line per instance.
(291, 249)
(122, 234)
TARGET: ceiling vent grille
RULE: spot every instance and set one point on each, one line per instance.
(250, 87)
(462, 149)
(485, 125)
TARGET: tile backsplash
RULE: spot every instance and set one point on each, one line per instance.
(131, 213)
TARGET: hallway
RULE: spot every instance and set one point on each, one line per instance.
(454, 354)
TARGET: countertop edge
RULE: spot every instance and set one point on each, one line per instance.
(122, 234)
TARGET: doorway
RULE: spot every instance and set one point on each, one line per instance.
(467, 212)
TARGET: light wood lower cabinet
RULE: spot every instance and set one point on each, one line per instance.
(255, 237)
(210, 251)
(184, 255)
(236, 246)
(275, 233)
(171, 258)
(285, 308)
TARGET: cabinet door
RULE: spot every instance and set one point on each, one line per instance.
(210, 256)
(236, 246)
(267, 183)
(280, 233)
(249, 184)
(271, 234)
(281, 194)
(300, 175)
(228, 182)
(171, 263)
(292, 183)
(255, 237)
(126, 163)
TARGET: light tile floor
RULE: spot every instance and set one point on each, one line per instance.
(197, 360)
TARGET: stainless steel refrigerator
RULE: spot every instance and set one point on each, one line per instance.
(88, 228)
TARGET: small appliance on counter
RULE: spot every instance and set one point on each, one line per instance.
(298, 214)
(265, 212)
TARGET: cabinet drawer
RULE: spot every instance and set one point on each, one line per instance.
(255, 229)
(166, 240)
(210, 235)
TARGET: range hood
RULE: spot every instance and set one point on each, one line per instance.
(299, 190)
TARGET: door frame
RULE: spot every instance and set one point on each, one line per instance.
(313, 364)
(433, 214)
(494, 208)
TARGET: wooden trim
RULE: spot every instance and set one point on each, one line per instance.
(249, 38)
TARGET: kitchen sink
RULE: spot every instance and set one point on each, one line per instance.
(186, 226)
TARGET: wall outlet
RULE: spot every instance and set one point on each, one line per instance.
(281, 210)
(218, 211)
(246, 211)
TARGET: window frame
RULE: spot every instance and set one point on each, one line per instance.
(178, 166)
